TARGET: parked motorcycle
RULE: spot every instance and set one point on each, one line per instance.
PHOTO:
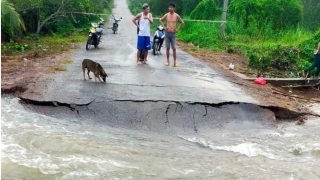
(94, 36)
(115, 24)
(101, 22)
(158, 39)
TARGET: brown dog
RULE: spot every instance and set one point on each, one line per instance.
(94, 67)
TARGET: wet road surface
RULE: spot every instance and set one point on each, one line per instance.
(192, 98)
(193, 81)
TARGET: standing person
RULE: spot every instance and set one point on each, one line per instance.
(170, 39)
(141, 52)
(145, 20)
(315, 64)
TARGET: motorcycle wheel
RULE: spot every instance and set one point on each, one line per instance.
(115, 29)
(155, 48)
(88, 43)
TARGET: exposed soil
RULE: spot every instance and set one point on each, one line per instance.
(19, 72)
(262, 93)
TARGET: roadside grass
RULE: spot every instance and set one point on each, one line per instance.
(34, 47)
(59, 68)
(268, 52)
(67, 61)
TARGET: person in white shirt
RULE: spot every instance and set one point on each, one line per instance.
(145, 20)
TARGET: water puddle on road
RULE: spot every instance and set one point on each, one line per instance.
(36, 146)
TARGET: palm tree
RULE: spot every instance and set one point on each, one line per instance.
(10, 15)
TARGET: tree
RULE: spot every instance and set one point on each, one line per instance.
(9, 15)
(45, 11)
(43, 14)
(311, 18)
(206, 10)
(11, 21)
(188, 6)
(278, 14)
(157, 7)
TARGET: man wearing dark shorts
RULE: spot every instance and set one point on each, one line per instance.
(170, 39)
(145, 20)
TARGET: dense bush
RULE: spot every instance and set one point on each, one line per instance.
(11, 21)
(7, 31)
(157, 7)
(279, 14)
(311, 18)
(208, 38)
(292, 58)
(188, 6)
(56, 16)
(308, 47)
(206, 10)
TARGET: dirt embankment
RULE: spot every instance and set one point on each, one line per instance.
(19, 72)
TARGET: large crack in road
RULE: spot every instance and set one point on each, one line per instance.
(164, 116)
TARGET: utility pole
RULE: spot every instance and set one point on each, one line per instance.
(224, 17)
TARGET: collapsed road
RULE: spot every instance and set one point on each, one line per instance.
(150, 97)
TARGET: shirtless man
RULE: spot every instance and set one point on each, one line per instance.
(170, 39)
(145, 20)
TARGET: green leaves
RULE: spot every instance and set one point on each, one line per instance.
(45, 16)
(308, 47)
(311, 18)
(10, 16)
(280, 14)
(188, 6)
(206, 10)
(157, 7)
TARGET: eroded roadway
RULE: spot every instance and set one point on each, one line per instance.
(135, 92)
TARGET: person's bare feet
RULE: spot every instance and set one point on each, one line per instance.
(138, 62)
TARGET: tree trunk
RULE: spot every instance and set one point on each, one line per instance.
(39, 27)
(52, 16)
(224, 17)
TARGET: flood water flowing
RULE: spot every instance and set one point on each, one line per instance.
(36, 146)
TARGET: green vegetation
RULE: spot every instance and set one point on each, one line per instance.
(36, 46)
(311, 18)
(276, 36)
(41, 27)
(158, 7)
(205, 10)
(10, 19)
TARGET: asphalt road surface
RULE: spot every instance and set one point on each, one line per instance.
(144, 96)
(193, 81)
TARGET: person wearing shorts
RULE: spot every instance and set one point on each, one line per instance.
(170, 36)
(145, 20)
